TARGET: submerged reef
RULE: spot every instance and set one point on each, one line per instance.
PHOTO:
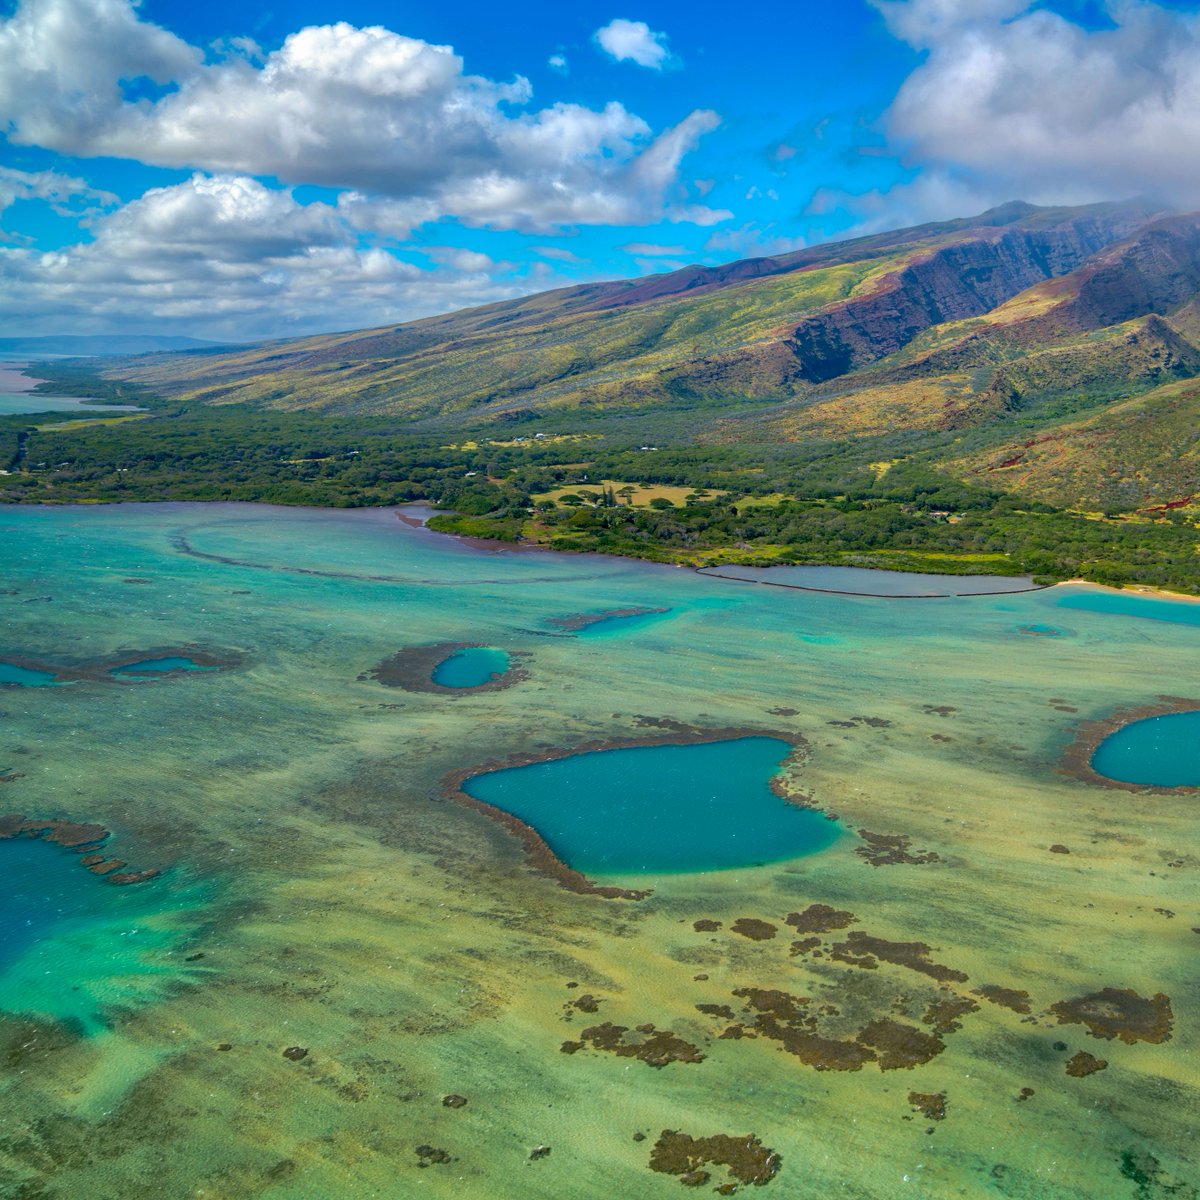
(412, 668)
(892, 849)
(747, 1159)
(1119, 1013)
(1083, 1063)
(820, 918)
(795, 1022)
(84, 839)
(914, 955)
(113, 668)
(574, 622)
(657, 1047)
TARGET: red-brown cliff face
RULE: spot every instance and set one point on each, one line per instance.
(964, 279)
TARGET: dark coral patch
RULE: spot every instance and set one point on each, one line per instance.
(786, 1019)
(706, 925)
(754, 929)
(1119, 1013)
(1012, 998)
(900, 1046)
(914, 955)
(804, 945)
(930, 1104)
(820, 918)
(891, 849)
(716, 1010)
(657, 1048)
(943, 1015)
(746, 1158)
(411, 669)
(1083, 1063)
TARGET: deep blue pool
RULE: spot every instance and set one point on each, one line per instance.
(660, 808)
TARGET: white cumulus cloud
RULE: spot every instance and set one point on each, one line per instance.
(1035, 106)
(358, 108)
(226, 256)
(633, 41)
(64, 193)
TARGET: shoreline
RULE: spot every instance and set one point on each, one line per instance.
(1135, 589)
(393, 512)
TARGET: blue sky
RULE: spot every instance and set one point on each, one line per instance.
(249, 170)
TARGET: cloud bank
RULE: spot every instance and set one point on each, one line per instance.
(339, 106)
(1032, 105)
(228, 256)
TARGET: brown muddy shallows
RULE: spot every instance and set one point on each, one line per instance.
(1011, 998)
(412, 670)
(914, 955)
(746, 1158)
(1119, 1013)
(891, 849)
(930, 1104)
(80, 838)
(754, 929)
(657, 1048)
(1077, 758)
(537, 852)
(1083, 1063)
(573, 622)
(100, 670)
(820, 918)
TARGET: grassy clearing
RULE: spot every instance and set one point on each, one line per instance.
(90, 422)
(632, 495)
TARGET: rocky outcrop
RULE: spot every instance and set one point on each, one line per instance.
(964, 279)
(1154, 272)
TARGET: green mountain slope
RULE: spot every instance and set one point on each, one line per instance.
(762, 329)
(1018, 391)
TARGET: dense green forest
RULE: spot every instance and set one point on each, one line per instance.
(879, 501)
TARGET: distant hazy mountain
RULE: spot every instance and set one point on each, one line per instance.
(100, 344)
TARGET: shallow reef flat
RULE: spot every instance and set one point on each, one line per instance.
(343, 982)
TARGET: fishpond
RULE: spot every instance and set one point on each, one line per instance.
(1161, 751)
(471, 667)
(149, 668)
(649, 809)
(12, 675)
